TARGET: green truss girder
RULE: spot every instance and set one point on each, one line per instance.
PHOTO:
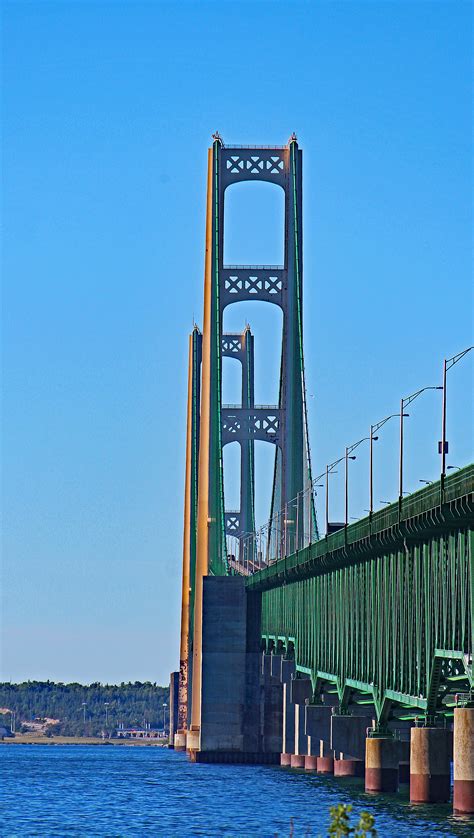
(386, 614)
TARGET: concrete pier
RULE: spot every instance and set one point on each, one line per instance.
(325, 764)
(301, 740)
(288, 738)
(348, 735)
(180, 740)
(381, 764)
(348, 767)
(430, 765)
(173, 701)
(230, 703)
(463, 753)
(271, 698)
(301, 690)
(311, 762)
(318, 726)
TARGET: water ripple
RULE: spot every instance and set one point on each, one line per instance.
(125, 792)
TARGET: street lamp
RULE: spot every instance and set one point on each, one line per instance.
(329, 470)
(428, 482)
(458, 467)
(403, 404)
(84, 705)
(349, 449)
(106, 705)
(443, 445)
(164, 717)
(374, 429)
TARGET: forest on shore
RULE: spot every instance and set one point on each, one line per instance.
(83, 710)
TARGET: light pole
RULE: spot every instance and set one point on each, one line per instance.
(329, 470)
(164, 717)
(348, 457)
(403, 404)
(84, 705)
(106, 705)
(443, 445)
(374, 429)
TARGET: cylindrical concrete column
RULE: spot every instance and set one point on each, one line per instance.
(325, 765)
(310, 762)
(285, 759)
(463, 751)
(348, 768)
(430, 765)
(381, 764)
(297, 760)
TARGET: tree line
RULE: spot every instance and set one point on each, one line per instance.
(85, 710)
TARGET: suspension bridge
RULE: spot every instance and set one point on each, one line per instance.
(347, 651)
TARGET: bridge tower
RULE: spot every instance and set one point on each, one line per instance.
(237, 522)
(283, 425)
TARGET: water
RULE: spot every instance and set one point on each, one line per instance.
(81, 790)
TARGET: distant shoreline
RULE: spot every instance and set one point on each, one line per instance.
(80, 740)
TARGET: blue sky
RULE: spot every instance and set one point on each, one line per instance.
(108, 110)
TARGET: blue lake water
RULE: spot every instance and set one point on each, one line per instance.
(80, 790)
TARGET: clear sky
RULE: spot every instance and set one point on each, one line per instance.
(108, 110)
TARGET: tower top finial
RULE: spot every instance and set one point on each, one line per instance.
(293, 139)
(217, 136)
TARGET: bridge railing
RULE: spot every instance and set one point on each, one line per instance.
(290, 531)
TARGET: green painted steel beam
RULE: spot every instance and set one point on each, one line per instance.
(388, 615)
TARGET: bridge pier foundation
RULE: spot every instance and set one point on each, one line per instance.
(463, 753)
(381, 764)
(311, 762)
(430, 765)
(180, 740)
(325, 763)
(173, 701)
(348, 767)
